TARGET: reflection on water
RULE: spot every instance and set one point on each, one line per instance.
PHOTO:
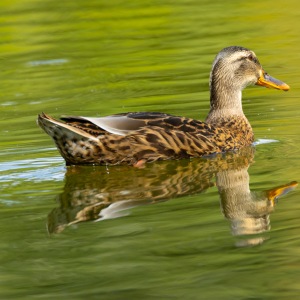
(247, 211)
(105, 57)
(100, 193)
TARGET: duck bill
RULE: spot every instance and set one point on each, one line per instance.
(279, 191)
(270, 82)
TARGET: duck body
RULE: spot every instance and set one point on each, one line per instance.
(157, 137)
(136, 138)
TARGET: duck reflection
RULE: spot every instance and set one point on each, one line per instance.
(95, 193)
(247, 211)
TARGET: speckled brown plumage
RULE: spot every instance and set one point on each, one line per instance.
(133, 138)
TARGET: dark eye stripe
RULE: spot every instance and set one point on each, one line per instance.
(250, 57)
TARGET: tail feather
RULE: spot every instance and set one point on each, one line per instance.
(49, 125)
(75, 145)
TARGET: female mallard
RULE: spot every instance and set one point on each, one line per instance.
(136, 138)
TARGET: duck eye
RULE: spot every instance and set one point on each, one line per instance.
(250, 57)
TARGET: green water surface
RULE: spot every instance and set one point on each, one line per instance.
(168, 235)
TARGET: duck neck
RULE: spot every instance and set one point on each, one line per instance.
(225, 103)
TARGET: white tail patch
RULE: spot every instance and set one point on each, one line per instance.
(52, 127)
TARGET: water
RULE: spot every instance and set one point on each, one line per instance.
(171, 232)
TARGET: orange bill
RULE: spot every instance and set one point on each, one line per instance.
(270, 82)
(279, 191)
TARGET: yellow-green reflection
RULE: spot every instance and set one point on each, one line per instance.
(99, 193)
(102, 57)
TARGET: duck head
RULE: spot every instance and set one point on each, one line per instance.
(233, 69)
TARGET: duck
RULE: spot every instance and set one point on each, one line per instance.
(136, 138)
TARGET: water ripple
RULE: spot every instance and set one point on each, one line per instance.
(37, 170)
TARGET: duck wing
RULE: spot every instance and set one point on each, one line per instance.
(122, 124)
